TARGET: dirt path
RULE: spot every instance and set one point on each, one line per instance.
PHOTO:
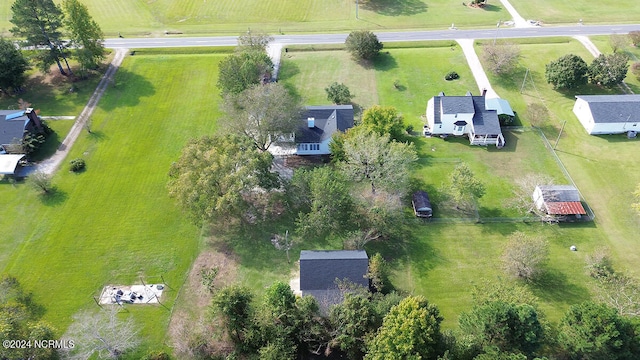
(50, 165)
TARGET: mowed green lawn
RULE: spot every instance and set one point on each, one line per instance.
(602, 166)
(553, 11)
(140, 17)
(115, 223)
(444, 260)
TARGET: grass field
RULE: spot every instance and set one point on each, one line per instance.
(138, 17)
(114, 223)
(600, 165)
(591, 12)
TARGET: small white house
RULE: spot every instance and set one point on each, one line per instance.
(608, 114)
(318, 124)
(464, 115)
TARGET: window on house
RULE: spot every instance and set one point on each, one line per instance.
(459, 128)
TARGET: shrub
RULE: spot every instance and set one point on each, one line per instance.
(451, 75)
(77, 165)
(635, 69)
(157, 355)
(635, 38)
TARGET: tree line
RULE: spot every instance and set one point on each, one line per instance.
(54, 34)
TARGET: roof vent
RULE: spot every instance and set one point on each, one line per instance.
(311, 122)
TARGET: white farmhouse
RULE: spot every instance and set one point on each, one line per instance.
(464, 115)
(608, 114)
(317, 126)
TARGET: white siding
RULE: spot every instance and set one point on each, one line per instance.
(310, 148)
(583, 112)
(430, 118)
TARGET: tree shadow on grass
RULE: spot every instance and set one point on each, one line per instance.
(490, 7)
(54, 197)
(395, 7)
(384, 62)
(126, 90)
(553, 286)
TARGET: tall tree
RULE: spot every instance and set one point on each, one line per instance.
(325, 193)
(411, 330)
(374, 159)
(233, 305)
(384, 120)
(509, 327)
(12, 67)
(569, 71)
(216, 176)
(239, 71)
(502, 58)
(363, 44)
(338, 93)
(86, 35)
(524, 256)
(596, 331)
(465, 187)
(352, 320)
(609, 70)
(20, 322)
(39, 21)
(102, 332)
(263, 113)
(253, 41)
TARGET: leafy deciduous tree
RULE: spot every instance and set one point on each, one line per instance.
(86, 35)
(20, 321)
(374, 159)
(326, 194)
(524, 256)
(596, 331)
(39, 21)
(508, 327)
(411, 330)
(384, 120)
(41, 181)
(353, 320)
(12, 67)
(569, 71)
(378, 273)
(502, 58)
(263, 113)
(338, 93)
(363, 44)
(609, 70)
(216, 175)
(239, 71)
(233, 303)
(634, 36)
(618, 41)
(465, 187)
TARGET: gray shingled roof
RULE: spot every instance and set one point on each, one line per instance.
(559, 193)
(457, 104)
(11, 130)
(320, 269)
(613, 108)
(485, 122)
(328, 119)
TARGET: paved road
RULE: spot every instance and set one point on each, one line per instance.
(500, 33)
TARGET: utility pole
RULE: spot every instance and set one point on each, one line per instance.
(558, 139)
(497, 28)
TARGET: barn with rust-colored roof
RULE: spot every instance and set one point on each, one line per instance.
(559, 200)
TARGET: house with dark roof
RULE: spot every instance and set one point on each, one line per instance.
(558, 200)
(317, 126)
(13, 125)
(608, 114)
(464, 116)
(321, 270)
